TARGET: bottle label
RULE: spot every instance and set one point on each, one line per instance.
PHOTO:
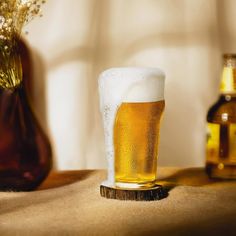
(233, 142)
(228, 80)
(221, 143)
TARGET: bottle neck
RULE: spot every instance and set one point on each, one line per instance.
(228, 79)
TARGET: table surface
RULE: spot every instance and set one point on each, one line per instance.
(69, 203)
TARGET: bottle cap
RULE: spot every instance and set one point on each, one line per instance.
(229, 59)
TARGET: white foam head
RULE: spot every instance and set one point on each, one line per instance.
(127, 84)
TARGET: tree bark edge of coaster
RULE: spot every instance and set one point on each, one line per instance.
(155, 193)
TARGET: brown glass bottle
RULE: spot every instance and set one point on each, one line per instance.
(221, 125)
(25, 151)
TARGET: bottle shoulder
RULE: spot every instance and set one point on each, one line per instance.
(223, 110)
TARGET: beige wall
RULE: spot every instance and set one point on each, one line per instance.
(77, 39)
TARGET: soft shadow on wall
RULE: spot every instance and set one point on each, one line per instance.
(166, 34)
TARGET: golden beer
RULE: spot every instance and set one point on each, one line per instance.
(136, 137)
(131, 104)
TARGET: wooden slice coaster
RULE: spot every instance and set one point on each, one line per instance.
(155, 193)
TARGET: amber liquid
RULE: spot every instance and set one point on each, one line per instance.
(136, 136)
(221, 139)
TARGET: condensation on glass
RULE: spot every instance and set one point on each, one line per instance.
(132, 104)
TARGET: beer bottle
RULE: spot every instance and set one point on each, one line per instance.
(221, 126)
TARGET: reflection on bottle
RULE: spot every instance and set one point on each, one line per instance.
(224, 141)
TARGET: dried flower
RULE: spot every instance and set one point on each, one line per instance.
(14, 14)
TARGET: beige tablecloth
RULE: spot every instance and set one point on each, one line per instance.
(68, 203)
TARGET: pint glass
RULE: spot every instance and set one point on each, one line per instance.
(132, 104)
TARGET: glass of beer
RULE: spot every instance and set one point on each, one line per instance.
(132, 104)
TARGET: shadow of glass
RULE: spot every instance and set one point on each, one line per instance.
(195, 177)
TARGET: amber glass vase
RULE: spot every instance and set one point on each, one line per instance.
(25, 151)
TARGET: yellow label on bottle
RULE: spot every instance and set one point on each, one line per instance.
(213, 137)
(233, 142)
(228, 80)
(221, 143)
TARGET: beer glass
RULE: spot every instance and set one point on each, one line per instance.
(132, 104)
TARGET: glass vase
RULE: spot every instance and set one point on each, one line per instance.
(25, 151)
